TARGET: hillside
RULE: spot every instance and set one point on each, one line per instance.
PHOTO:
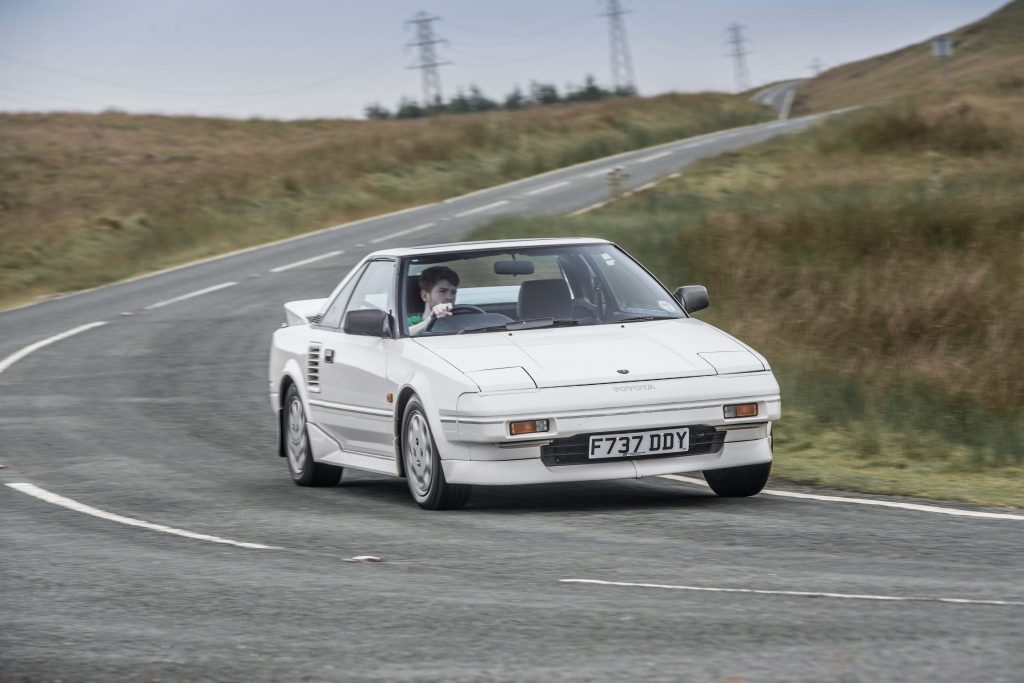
(878, 261)
(88, 199)
(988, 61)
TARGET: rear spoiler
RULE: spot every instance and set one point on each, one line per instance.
(303, 312)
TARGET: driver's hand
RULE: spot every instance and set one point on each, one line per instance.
(442, 310)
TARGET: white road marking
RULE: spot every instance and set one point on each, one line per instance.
(787, 104)
(802, 594)
(646, 186)
(548, 188)
(223, 285)
(865, 501)
(400, 233)
(43, 494)
(586, 209)
(485, 207)
(18, 355)
(604, 171)
(659, 155)
(321, 257)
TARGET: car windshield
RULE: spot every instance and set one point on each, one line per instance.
(534, 287)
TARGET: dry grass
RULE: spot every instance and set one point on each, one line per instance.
(878, 261)
(988, 60)
(86, 199)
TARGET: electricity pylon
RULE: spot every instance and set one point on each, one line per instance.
(623, 78)
(428, 61)
(738, 54)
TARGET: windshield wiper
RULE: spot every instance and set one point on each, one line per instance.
(487, 328)
(644, 318)
(521, 325)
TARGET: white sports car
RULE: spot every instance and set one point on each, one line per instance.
(562, 360)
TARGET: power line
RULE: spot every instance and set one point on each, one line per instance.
(191, 93)
(816, 66)
(738, 54)
(427, 64)
(623, 78)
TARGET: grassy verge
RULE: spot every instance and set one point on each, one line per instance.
(88, 199)
(877, 261)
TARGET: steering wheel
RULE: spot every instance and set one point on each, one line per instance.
(457, 309)
(462, 309)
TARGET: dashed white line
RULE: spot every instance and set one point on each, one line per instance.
(18, 355)
(485, 207)
(548, 188)
(304, 262)
(801, 594)
(183, 297)
(604, 171)
(400, 233)
(652, 157)
(49, 497)
(865, 501)
(587, 209)
(646, 186)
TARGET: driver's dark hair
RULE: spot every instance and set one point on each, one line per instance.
(434, 274)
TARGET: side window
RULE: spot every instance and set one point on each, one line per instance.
(332, 318)
(374, 288)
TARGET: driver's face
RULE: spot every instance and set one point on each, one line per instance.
(442, 293)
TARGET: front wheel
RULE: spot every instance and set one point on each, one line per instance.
(305, 471)
(737, 482)
(422, 463)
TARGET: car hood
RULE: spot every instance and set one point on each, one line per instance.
(598, 354)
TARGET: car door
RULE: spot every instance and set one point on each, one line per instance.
(352, 406)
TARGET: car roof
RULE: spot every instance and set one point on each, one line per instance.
(486, 244)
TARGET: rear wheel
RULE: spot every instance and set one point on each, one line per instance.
(736, 482)
(305, 471)
(422, 462)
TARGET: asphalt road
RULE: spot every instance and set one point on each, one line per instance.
(161, 415)
(779, 96)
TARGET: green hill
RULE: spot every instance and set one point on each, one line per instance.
(88, 199)
(878, 261)
(988, 61)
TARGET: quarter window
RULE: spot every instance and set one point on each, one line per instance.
(332, 318)
(374, 288)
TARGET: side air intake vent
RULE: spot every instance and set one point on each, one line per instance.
(315, 319)
(313, 368)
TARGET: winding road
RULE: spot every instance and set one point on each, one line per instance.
(150, 532)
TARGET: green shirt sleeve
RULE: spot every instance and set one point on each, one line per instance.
(414, 320)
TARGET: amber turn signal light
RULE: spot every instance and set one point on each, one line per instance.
(527, 427)
(741, 410)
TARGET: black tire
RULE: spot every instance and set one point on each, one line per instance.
(295, 443)
(422, 463)
(737, 482)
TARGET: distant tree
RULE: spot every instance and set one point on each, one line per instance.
(590, 91)
(409, 109)
(515, 99)
(460, 104)
(376, 111)
(624, 91)
(544, 93)
(478, 101)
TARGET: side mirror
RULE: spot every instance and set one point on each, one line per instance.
(692, 297)
(371, 322)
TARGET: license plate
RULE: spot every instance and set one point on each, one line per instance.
(635, 444)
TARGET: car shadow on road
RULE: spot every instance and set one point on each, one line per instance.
(593, 496)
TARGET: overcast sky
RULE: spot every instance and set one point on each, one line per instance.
(330, 58)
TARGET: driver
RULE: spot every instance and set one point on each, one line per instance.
(438, 286)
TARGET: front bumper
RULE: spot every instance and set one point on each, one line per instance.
(534, 471)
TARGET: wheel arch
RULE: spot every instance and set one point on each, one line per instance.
(287, 381)
(406, 393)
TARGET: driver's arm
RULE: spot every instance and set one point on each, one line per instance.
(438, 311)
